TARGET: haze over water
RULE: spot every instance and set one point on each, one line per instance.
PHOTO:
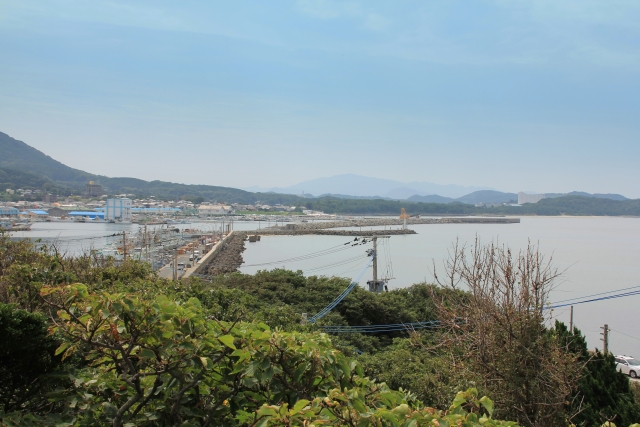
(599, 254)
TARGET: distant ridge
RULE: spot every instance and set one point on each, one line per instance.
(365, 186)
(433, 198)
(488, 197)
(611, 196)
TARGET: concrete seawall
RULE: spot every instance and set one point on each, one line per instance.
(376, 222)
(202, 266)
(304, 232)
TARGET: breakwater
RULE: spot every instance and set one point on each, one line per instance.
(227, 257)
(377, 222)
(322, 232)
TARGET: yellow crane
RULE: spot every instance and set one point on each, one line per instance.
(404, 216)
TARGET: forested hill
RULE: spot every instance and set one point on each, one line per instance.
(14, 179)
(17, 155)
(568, 205)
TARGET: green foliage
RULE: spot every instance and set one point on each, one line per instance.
(406, 365)
(635, 389)
(26, 266)
(159, 361)
(376, 405)
(603, 393)
(139, 350)
(567, 205)
(279, 297)
(156, 362)
(14, 179)
(26, 358)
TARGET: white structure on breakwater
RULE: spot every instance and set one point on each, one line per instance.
(118, 210)
(530, 198)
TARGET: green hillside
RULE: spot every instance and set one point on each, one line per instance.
(14, 179)
(21, 157)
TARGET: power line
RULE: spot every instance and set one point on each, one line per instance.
(336, 264)
(598, 294)
(622, 333)
(382, 328)
(344, 293)
(625, 294)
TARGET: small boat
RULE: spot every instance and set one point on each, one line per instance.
(15, 226)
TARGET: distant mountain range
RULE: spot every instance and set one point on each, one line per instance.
(364, 186)
(23, 166)
(350, 186)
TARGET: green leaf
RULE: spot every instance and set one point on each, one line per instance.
(205, 363)
(228, 341)
(62, 348)
(459, 400)
(266, 411)
(299, 406)
(147, 353)
(487, 403)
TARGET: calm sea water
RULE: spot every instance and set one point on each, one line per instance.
(598, 254)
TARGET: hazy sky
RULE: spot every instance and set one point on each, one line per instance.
(516, 95)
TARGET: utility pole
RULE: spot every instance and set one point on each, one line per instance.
(175, 264)
(146, 244)
(376, 285)
(571, 321)
(124, 245)
(605, 338)
(375, 263)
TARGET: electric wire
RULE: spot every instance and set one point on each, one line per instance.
(328, 251)
(422, 325)
(336, 264)
(622, 333)
(594, 295)
(340, 297)
(625, 294)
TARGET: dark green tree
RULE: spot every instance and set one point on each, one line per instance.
(603, 393)
(26, 357)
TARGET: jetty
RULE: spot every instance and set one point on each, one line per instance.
(226, 256)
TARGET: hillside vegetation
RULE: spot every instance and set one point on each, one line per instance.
(87, 342)
(567, 205)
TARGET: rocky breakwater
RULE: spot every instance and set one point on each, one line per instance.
(281, 231)
(325, 227)
(229, 257)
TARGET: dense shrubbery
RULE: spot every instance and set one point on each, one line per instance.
(89, 343)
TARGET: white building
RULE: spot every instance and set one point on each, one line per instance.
(206, 210)
(118, 209)
(530, 198)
